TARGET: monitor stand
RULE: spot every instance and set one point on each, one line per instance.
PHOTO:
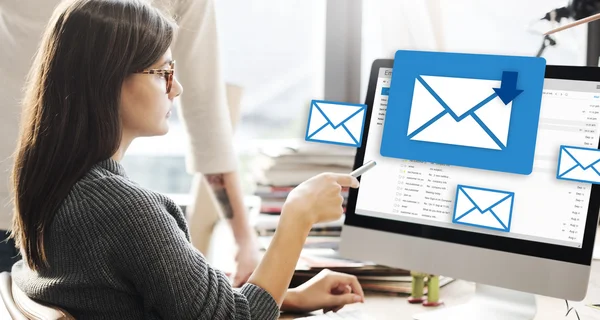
(489, 303)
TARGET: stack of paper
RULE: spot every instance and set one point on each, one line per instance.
(290, 162)
(281, 165)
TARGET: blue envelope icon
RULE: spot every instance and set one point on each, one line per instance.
(483, 208)
(477, 111)
(578, 164)
(336, 123)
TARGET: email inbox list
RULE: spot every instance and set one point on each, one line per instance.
(572, 222)
(576, 128)
(420, 192)
(382, 110)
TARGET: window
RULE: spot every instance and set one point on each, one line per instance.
(275, 51)
(511, 27)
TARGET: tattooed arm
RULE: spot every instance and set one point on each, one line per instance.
(224, 192)
(228, 191)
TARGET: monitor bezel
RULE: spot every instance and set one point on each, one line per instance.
(576, 255)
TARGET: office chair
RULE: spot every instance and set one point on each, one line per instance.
(18, 306)
(8, 309)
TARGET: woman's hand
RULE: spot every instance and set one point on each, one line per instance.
(328, 290)
(318, 199)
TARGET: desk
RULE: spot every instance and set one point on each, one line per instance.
(459, 291)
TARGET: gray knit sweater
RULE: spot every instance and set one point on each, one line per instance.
(119, 251)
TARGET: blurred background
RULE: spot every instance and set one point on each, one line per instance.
(283, 54)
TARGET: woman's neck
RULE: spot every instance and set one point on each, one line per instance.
(125, 142)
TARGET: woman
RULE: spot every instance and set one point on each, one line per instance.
(96, 243)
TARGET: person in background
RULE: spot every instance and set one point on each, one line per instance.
(93, 241)
(205, 115)
(204, 111)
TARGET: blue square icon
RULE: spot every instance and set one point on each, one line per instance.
(336, 123)
(470, 110)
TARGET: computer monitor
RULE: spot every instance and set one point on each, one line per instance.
(402, 213)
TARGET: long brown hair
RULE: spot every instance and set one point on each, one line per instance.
(71, 105)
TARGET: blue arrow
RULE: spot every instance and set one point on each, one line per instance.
(508, 89)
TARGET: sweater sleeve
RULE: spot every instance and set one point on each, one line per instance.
(151, 251)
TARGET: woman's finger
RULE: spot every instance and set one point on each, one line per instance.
(344, 299)
(341, 289)
(351, 281)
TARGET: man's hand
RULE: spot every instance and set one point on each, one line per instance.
(247, 259)
(328, 290)
(226, 187)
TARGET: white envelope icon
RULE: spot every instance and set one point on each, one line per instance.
(579, 164)
(336, 123)
(459, 111)
(484, 208)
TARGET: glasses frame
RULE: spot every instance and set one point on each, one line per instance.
(167, 73)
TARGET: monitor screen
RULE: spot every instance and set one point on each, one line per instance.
(546, 210)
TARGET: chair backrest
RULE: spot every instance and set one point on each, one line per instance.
(21, 307)
(8, 309)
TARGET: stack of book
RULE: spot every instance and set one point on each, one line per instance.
(281, 165)
(284, 163)
(265, 225)
(273, 197)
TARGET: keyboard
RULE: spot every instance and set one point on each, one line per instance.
(349, 314)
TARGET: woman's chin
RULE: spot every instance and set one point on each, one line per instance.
(159, 131)
(165, 130)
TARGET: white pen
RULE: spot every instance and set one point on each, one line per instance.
(364, 168)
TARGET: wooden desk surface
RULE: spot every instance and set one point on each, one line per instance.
(397, 308)
(459, 291)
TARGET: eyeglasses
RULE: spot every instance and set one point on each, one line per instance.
(167, 73)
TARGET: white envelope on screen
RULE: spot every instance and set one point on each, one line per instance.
(484, 208)
(459, 111)
(579, 164)
(336, 123)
